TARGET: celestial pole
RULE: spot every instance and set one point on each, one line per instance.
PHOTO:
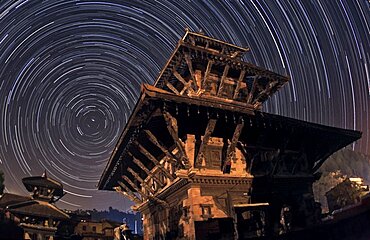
(70, 74)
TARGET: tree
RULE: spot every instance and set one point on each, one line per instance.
(327, 181)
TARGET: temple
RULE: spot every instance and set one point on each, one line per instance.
(36, 215)
(198, 153)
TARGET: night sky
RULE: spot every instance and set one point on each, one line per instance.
(70, 74)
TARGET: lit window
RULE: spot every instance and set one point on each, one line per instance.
(206, 210)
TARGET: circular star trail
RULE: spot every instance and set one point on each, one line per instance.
(70, 74)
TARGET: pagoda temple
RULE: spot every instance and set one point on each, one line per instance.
(37, 214)
(200, 160)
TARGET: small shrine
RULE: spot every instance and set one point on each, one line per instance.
(36, 214)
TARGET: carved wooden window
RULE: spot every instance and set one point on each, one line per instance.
(213, 157)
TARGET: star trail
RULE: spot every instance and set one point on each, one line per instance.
(70, 74)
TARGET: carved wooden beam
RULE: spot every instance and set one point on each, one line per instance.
(222, 83)
(171, 158)
(240, 80)
(144, 168)
(155, 161)
(147, 154)
(127, 193)
(175, 61)
(192, 40)
(223, 49)
(134, 186)
(135, 175)
(278, 154)
(172, 88)
(248, 159)
(191, 70)
(142, 183)
(208, 70)
(207, 134)
(251, 93)
(231, 148)
(275, 167)
(173, 130)
(160, 145)
(267, 91)
(187, 85)
(179, 77)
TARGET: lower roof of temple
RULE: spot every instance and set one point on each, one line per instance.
(262, 131)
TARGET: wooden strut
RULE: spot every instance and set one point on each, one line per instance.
(222, 83)
(154, 160)
(130, 170)
(279, 155)
(207, 134)
(128, 193)
(125, 194)
(268, 90)
(168, 84)
(172, 127)
(133, 185)
(172, 88)
(142, 183)
(251, 93)
(146, 170)
(192, 40)
(155, 141)
(248, 160)
(223, 49)
(231, 148)
(240, 81)
(147, 154)
(302, 159)
(160, 145)
(191, 70)
(187, 85)
(208, 70)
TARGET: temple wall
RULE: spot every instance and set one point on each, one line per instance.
(212, 163)
(196, 202)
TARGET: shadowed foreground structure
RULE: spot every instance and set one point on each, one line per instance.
(32, 217)
(201, 161)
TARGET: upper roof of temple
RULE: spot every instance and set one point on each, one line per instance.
(43, 186)
(204, 67)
